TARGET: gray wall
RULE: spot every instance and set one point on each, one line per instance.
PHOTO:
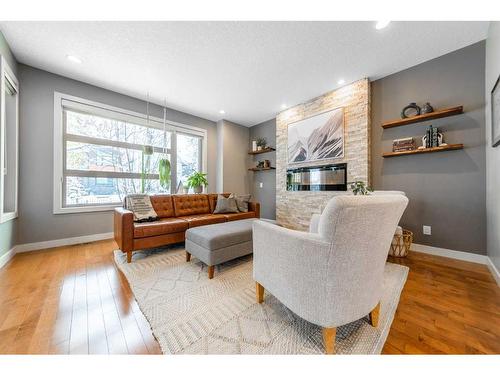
(36, 220)
(266, 194)
(446, 190)
(232, 167)
(7, 230)
(492, 154)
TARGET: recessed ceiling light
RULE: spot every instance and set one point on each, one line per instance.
(74, 59)
(222, 111)
(381, 24)
(341, 81)
(283, 106)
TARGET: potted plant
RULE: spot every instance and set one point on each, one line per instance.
(261, 143)
(359, 187)
(164, 172)
(197, 181)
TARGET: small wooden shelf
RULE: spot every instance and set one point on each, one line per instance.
(261, 169)
(425, 117)
(457, 146)
(264, 150)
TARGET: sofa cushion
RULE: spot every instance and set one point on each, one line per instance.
(157, 228)
(203, 219)
(212, 199)
(191, 204)
(240, 216)
(163, 205)
(242, 202)
(226, 205)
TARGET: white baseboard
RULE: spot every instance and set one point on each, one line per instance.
(461, 255)
(62, 242)
(4, 259)
(494, 271)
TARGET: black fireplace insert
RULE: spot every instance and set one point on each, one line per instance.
(322, 178)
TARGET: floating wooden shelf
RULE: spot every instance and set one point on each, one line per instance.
(261, 169)
(425, 117)
(264, 150)
(457, 146)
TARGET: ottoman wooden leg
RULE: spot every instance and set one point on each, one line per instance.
(211, 270)
(188, 257)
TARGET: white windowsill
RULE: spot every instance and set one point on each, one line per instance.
(7, 216)
(73, 210)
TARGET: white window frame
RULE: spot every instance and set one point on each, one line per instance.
(7, 74)
(62, 101)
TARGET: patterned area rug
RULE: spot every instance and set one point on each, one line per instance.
(190, 314)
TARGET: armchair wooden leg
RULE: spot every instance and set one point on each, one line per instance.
(129, 256)
(211, 272)
(259, 292)
(188, 257)
(329, 339)
(374, 315)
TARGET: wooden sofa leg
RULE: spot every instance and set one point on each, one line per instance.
(259, 292)
(188, 257)
(329, 339)
(374, 315)
(129, 256)
(211, 270)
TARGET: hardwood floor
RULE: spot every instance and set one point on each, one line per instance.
(74, 300)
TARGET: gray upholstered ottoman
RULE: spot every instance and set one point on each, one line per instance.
(217, 243)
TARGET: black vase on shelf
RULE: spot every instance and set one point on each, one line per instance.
(427, 108)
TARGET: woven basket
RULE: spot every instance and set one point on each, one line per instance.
(401, 244)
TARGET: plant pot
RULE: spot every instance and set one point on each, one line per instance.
(198, 189)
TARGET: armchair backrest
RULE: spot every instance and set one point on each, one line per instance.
(360, 230)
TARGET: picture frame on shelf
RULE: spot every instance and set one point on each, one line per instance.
(495, 114)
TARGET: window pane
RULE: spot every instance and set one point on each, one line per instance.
(10, 148)
(89, 157)
(188, 156)
(105, 128)
(81, 191)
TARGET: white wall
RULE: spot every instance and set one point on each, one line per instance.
(492, 154)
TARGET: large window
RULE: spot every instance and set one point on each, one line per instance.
(9, 130)
(104, 153)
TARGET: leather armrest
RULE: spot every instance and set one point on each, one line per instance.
(254, 207)
(124, 229)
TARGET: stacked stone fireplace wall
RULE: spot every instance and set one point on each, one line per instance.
(294, 208)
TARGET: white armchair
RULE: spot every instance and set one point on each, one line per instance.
(332, 277)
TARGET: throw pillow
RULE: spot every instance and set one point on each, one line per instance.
(226, 205)
(140, 205)
(242, 202)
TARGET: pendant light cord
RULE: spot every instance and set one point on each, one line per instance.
(165, 128)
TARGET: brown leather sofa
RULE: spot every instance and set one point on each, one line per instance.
(177, 214)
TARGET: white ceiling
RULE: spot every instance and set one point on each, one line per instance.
(249, 69)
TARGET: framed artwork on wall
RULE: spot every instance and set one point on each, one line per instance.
(316, 138)
(495, 114)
